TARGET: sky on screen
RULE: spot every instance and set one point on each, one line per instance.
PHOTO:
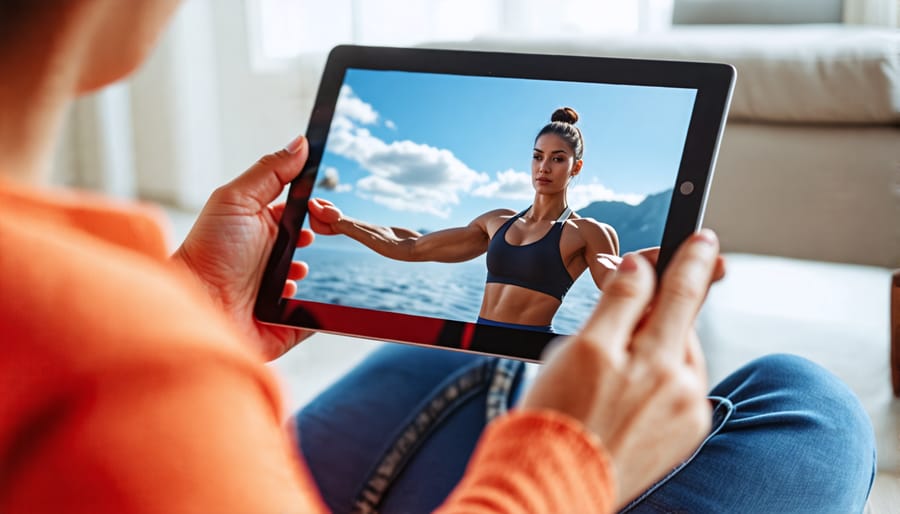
(431, 151)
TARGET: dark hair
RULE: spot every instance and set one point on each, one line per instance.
(562, 124)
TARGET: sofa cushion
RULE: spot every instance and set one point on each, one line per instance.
(786, 73)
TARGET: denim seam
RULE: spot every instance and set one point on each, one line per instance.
(501, 387)
(452, 394)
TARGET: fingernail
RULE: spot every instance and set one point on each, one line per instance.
(294, 146)
(707, 236)
(628, 263)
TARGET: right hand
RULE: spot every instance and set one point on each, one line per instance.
(323, 216)
(634, 374)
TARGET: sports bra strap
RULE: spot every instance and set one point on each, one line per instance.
(565, 215)
(562, 217)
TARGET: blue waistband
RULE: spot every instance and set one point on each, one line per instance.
(537, 328)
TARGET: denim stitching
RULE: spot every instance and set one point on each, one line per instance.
(501, 387)
(412, 436)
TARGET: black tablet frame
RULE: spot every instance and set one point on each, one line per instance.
(713, 82)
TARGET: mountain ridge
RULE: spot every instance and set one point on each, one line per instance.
(638, 226)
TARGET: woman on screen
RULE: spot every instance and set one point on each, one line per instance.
(533, 257)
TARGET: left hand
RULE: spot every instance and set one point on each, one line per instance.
(226, 247)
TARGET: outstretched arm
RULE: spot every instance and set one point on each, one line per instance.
(449, 245)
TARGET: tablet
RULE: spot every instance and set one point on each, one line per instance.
(431, 155)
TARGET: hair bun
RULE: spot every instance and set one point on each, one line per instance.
(565, 115)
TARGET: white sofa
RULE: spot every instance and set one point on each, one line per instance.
(805, 197)
(809, 160)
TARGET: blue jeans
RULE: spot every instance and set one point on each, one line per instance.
(395, 434)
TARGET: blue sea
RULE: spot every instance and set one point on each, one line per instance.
(358, 277)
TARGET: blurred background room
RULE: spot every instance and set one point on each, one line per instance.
(806, 195)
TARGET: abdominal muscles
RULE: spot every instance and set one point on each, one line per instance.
(507, 303)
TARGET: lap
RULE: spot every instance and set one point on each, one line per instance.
(395, 434)
(787, 436)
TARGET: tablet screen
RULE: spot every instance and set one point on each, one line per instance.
(442, 147)
(429, 151)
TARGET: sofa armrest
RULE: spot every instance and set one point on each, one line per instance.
(757, 11)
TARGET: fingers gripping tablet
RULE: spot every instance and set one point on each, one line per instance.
(477, 200)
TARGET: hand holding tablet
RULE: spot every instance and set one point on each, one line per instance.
(234, 232)
(436, 226)
(634, 374)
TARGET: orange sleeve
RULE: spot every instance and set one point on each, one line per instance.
(194, 433)
(535, 461)
(124, 390)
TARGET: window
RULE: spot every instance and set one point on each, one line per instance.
(287, 29)
(290, 29)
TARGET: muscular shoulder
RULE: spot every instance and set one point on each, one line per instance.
(599, 237)
(496, 214)
(491, 220)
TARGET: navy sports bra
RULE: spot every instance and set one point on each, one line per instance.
(537, 266)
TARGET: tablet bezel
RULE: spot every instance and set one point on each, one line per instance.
(713, 82)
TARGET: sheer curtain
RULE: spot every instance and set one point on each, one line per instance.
(293, 28)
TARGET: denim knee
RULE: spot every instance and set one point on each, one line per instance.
(832, 434)
(794, 439)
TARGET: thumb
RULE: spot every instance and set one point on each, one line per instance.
(265, 180)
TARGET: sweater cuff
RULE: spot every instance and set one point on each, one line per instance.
(536, 461)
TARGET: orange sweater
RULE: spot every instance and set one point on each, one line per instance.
(124, 390)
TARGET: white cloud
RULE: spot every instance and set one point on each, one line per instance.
(390, 124)
(581, 195)
(404, 198)
(405, 175)
(375, 185)
(516, 185)
(351, 106)
(511, 184)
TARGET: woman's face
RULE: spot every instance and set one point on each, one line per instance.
(553, 164)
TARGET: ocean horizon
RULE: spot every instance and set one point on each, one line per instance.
(355, 276)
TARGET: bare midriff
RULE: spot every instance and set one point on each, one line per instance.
(507, 303)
